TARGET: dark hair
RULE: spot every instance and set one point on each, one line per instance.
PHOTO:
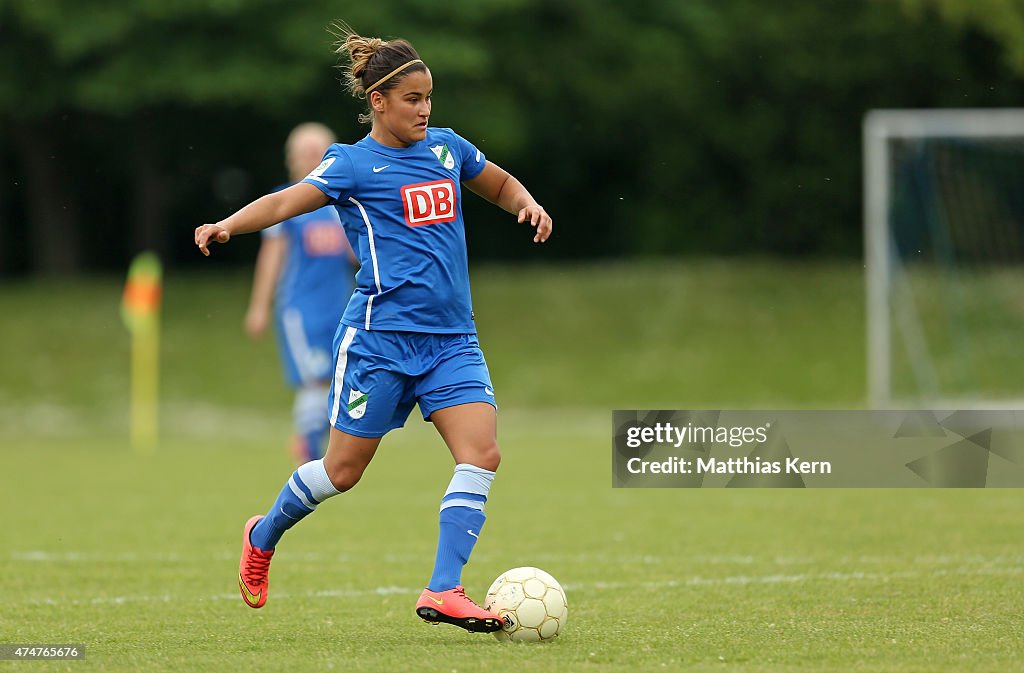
(365, 61)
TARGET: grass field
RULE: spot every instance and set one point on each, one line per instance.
(136, 556)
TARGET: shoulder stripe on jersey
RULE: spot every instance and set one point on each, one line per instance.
(373, 257)
(339, 371)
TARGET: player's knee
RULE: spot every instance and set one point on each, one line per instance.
(488, 456)
(344, 475)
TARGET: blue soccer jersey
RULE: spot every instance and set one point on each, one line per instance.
(402, 212)
(312, 292)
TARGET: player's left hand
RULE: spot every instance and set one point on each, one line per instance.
(539, 219)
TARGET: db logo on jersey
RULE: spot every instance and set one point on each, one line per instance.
(429, 202)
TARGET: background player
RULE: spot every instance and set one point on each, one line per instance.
(407, 336)
(308, 263)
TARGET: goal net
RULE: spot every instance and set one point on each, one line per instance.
(944, 237)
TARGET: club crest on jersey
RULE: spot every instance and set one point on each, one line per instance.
(357, 403)
(429, 203)
(444, 155)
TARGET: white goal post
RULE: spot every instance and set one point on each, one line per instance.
(891, 267)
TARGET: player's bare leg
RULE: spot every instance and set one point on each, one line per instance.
(470, 431)
(347, 458)
(312, 483)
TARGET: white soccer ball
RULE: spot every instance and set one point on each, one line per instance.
(530, 602)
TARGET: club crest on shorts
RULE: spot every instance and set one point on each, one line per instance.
(357, 403)
(444, 155)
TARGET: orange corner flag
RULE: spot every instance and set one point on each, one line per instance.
(140, 309)
(143, 291)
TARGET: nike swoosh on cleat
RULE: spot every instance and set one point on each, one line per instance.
(439, 601)
(249, 596)
(379, 169)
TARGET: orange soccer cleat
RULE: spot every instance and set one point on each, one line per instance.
(254, 569)
(454, 607)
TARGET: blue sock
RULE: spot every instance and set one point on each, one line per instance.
(460, 527)
(461, 519)
(308, 487)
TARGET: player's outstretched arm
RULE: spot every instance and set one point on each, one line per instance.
(263, 212)
(269, 263)
(502, 189)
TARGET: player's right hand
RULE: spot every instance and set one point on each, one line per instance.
(256, 321)
(208, 233)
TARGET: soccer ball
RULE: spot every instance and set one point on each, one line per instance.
(530, 602)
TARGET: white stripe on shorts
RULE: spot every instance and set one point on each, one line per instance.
(339, 372)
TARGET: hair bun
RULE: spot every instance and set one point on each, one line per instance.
(372, 61)
(361, 50)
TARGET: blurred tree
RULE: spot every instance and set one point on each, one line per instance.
(34, 121)
(130, 62)
(1002, 20)
(648, 127)
(150, 65)
(731, 127)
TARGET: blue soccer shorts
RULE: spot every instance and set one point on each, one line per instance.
(379, 376)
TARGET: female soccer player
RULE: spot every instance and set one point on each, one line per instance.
(307, 262)
(407, 336)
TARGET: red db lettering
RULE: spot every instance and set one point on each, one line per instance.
(429, 203)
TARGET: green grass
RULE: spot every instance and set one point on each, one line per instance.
(136, 556)
(686, 334)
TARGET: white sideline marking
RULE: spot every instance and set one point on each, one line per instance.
(134, 557)
(697, 580)
(42, 556)
(278, 595)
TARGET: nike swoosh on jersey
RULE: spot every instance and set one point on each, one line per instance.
(378, 169)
